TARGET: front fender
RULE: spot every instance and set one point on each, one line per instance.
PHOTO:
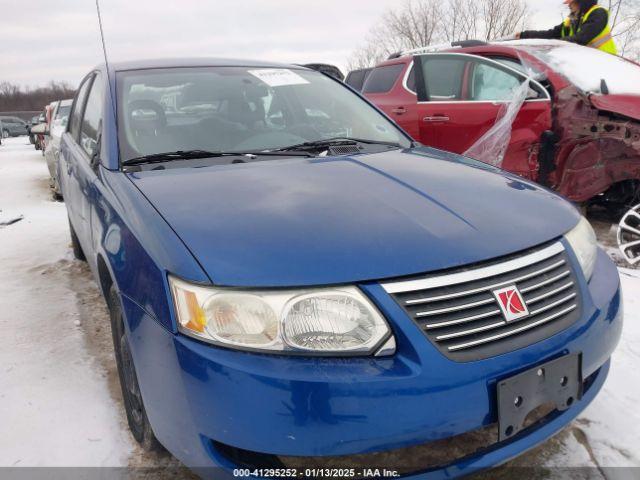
(138, 246)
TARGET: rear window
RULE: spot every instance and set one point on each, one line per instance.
(382, 79)
(357, 78)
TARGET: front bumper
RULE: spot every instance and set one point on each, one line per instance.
(198, 394)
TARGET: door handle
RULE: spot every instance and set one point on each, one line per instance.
(436, 118)
(399, 110)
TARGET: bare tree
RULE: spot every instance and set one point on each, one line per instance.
(501, 17)
(624, 18)
(418, 23)
(14, 98)
(367, 55)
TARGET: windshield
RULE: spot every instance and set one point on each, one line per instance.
(239, 109)
(63, 112)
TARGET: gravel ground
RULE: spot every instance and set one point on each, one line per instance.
(58, 380)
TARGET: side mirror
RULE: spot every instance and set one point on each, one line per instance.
(95, 158)
(40, 129)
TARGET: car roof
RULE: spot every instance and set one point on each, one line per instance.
(496, 48)
(194, 62)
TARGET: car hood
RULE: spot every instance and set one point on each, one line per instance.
(307, 222)
(627, 105)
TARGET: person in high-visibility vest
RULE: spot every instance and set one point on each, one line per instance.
(587, 24)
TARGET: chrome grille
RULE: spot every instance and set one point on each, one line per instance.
(459, 313)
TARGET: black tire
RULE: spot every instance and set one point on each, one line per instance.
(78, 254)
(55, 191)
(133, 403)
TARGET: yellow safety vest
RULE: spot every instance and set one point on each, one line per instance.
(604, 40)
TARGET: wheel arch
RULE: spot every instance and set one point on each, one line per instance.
(105, 278)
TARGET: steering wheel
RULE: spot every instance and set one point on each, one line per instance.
(142, 123)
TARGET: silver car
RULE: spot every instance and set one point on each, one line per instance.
(59, 119)
(12, 127)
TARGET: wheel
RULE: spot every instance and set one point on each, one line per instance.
(55, 190)
(629, 236)
(78, 254)
(5, 133)
(133, 404)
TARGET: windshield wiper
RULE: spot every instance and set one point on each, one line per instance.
(331, 142)
(195, 154)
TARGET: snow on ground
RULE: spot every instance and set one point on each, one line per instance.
(55, 405)
(612, 422)
(60, 402)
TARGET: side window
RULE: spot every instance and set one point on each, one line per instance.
(76, 114)
(357, 78)
(489, 83)
(443, 77)
(382, 79)
(411, 79)
(92, 120)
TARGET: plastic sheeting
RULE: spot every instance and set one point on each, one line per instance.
(492, 146)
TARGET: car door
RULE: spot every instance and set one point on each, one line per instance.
(391, 88)
(14, 126)
(21, 126)
(70, 150)
(82, 162)
(10, 125)
(461, 96)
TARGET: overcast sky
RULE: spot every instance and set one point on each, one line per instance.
(42, 40)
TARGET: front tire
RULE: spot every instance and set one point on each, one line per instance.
(5, 134)
(133, 404)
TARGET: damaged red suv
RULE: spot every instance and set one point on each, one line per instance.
(575, 129)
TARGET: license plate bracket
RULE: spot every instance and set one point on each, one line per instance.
(558, 381)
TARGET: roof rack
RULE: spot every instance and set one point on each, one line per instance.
(441, 46)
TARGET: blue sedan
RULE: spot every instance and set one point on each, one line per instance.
(294, 284)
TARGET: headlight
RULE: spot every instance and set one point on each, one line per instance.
(338, 321)
(584, 244)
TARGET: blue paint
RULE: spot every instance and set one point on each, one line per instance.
(306, 222)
